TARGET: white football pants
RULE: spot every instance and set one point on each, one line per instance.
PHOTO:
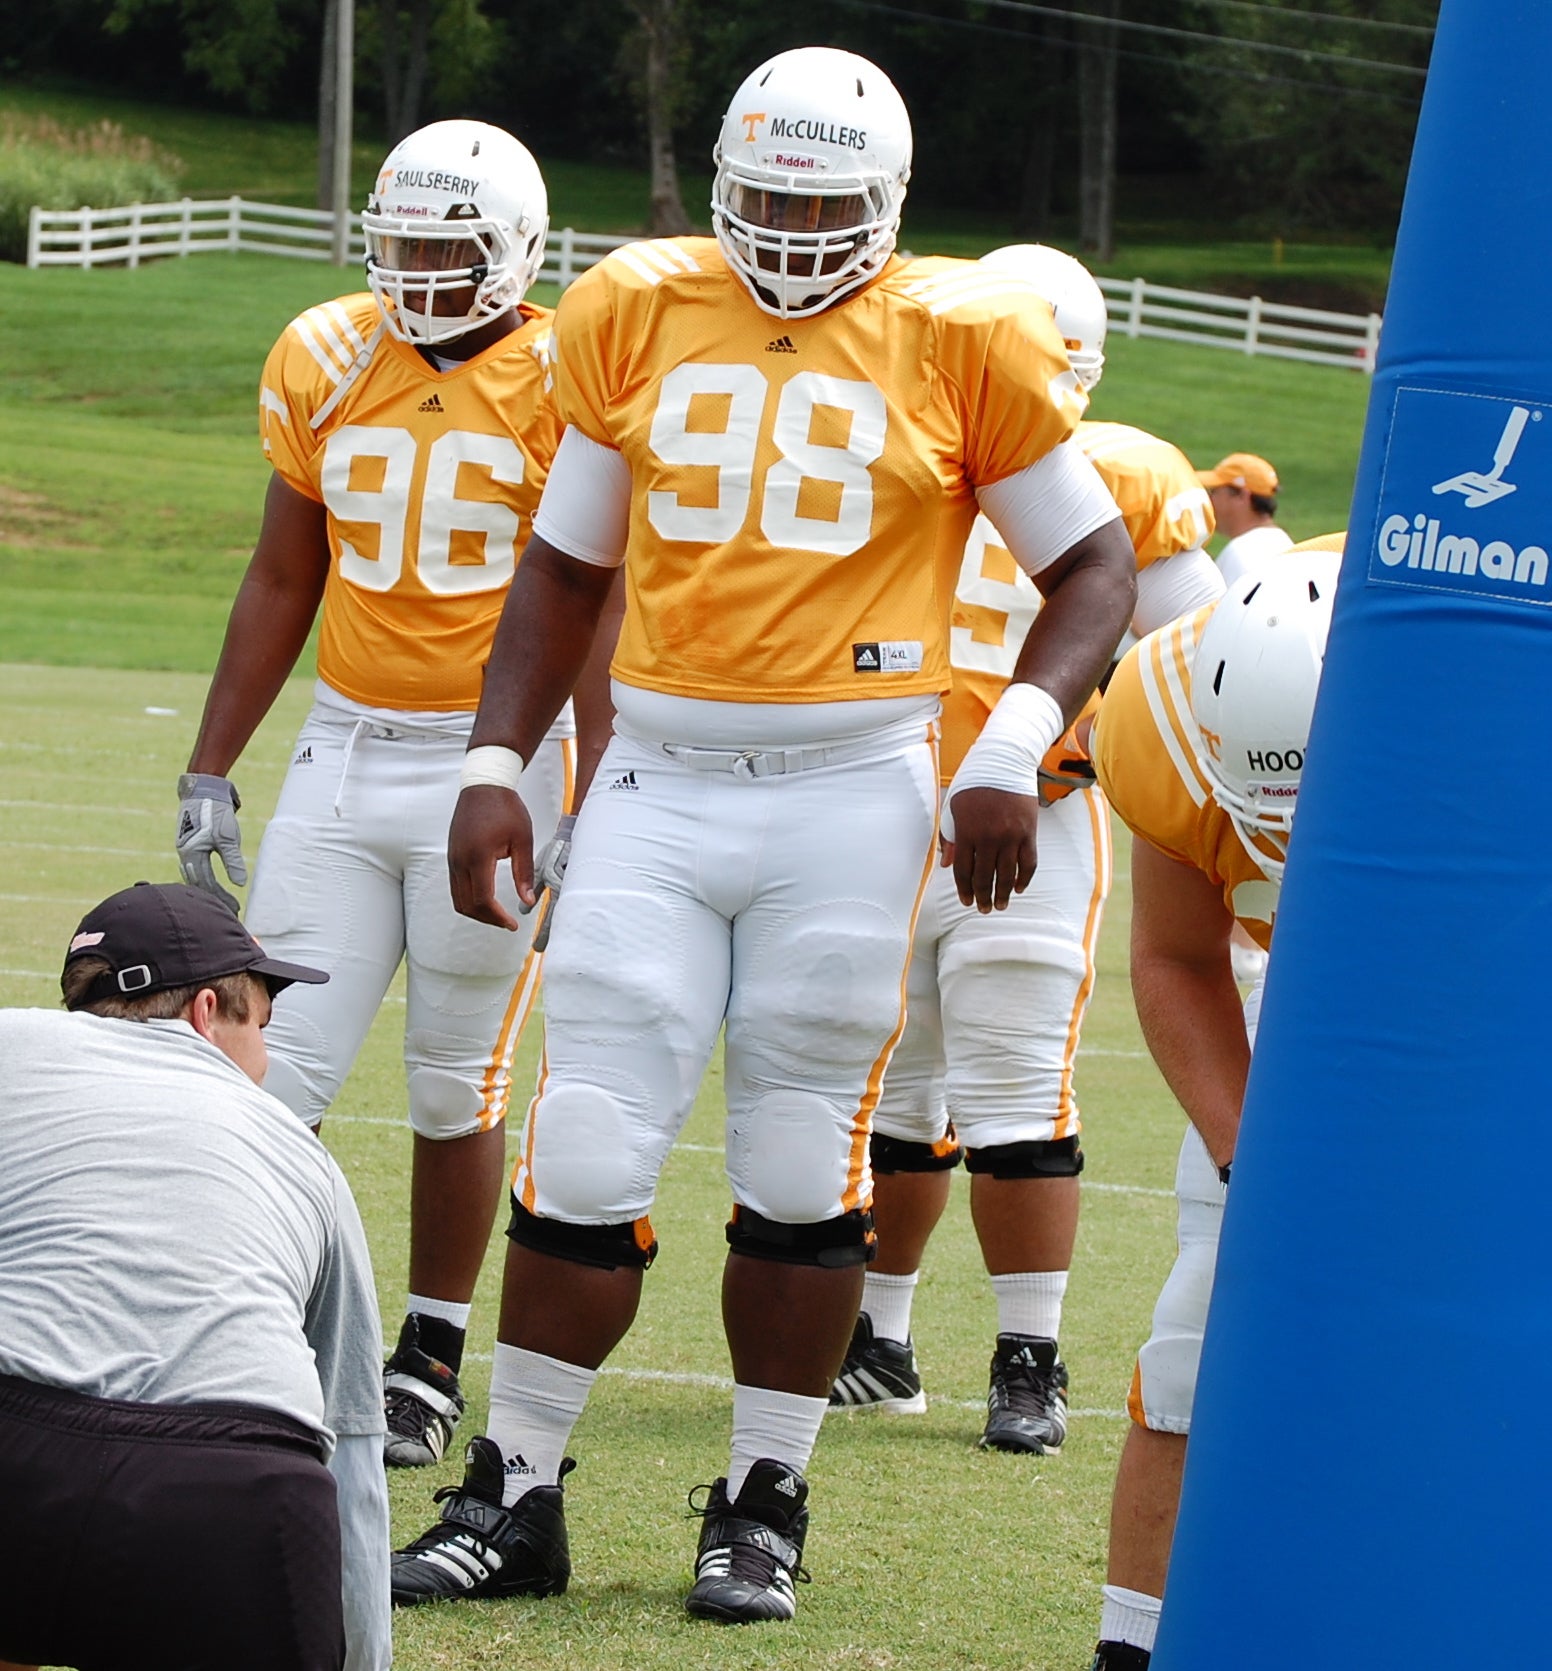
(1164, 1382)
(780, 907)
(994, 1003)
(352, 877)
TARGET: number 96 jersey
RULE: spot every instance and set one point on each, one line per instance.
(430, 478)
(801, 489)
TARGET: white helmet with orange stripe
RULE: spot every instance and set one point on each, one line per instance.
(1075, 298)
(1253, 684)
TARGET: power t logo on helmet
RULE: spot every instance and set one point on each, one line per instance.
(455, 230)
(812, 164)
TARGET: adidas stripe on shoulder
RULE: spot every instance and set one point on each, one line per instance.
(330, 336)
(654, 260)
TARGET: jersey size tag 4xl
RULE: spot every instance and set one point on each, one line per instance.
(896, 655)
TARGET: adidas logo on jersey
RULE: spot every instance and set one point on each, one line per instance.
(781, 345)
(628, 781)
(864, 658)
(304, 756)
(434, 404)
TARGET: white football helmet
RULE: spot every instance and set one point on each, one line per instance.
(1075, 298)
(1253, 685)
(812, 161)
(456, 205)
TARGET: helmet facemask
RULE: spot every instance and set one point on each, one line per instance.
(801, 245)
(413, 264)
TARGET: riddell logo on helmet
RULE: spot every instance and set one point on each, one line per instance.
(784, 160)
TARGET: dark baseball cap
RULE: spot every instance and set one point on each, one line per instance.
(157, 935)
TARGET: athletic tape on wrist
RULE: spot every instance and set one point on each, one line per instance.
(500, 767)
(1013, 742)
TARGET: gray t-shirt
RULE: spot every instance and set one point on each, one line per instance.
(172, 1234)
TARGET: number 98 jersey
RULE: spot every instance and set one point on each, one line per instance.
(430, 478)
(801, 489)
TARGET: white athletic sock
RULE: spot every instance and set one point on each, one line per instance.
(1030, 1302)
(534, 1404)
(1129, 1616)
(450, 1311)
(887, 1301)
(780, 1425)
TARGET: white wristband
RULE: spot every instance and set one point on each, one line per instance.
(500, 767)
(1013, 742)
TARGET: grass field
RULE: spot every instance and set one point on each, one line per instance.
(129, 491)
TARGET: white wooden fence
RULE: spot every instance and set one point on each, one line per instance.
(1248, 325)
(143, 231)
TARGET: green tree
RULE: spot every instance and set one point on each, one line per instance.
(1308, 127)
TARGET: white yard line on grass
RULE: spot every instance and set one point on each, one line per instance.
(724, 1383)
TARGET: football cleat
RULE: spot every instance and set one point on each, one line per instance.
(878, 1375)
(480, 1549)
(1120, 1656)
(750, 1549)
(423, 1402)
(1026, 1404)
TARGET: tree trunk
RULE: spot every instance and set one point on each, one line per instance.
(1097, 60)
(1046, 83)
(414, 70)
(659, 20)
(326, 82)
(388, 60)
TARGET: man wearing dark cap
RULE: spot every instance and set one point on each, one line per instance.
(1243, 489)
(191, 1410)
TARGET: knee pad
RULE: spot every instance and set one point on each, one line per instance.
(791, 1151)
(1056, 1157)
(443, 1106)
(603, 1246)
(584, 1160)
(832, 1243)
(1164, 1383)
(896, 1154)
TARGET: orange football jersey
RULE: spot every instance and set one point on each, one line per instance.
(1145, 744)
(1166, 511)
(431, 479)
(802, 488)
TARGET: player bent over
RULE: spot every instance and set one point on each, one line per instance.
(1200, 747)
(995, 1004)
(410, 433)
(782, 434)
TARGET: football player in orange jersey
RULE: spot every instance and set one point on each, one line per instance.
(410, 433)
(1200, 747)
(783, 434)
(995, 1004)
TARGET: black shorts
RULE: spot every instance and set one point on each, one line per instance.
(174, 1537)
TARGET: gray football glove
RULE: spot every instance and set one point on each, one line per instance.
(549, 873)
(207, 823)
